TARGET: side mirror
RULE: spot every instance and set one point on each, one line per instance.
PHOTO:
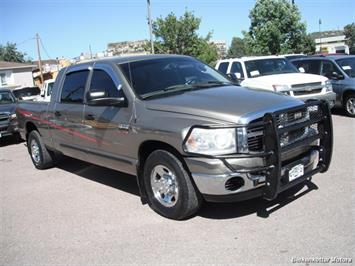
(98, 98)
(336, 76)
(301, 69)
(92, 95)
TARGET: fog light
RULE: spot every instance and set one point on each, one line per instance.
(234, 183)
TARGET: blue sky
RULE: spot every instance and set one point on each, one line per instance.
(68, 27)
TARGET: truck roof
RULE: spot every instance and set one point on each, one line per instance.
(126, 59)
(248, 58)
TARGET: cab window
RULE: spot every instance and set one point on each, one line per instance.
(74, 87)
(328, 68)
(101, 80)
(237, 68)
(223, 67)
(309, 66)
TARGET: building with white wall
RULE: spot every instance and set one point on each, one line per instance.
(331, 42)
(15, 75)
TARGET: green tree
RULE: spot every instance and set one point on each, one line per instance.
(349, 31)
(237, 48)
(179, 36)
(276, 28)
(10, 53)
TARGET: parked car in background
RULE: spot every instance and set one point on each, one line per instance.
(182, 128)
(276, 73)
(8, 118)
(27, 93)
(294, 56)
(340, 69)
(46, 91)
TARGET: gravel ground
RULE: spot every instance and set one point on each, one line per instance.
(81, 214)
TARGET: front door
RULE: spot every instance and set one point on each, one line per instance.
(107, 125)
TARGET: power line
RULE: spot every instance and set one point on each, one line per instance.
(44, 49)
(29, 39)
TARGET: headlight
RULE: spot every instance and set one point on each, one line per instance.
(281, 87)
(13, 116)
(328, 85)
(211, 141)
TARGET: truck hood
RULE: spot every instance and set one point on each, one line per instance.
(8, 108)
(286, 79)
(229, 103)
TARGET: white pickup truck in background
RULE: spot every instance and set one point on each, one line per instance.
(46, 91)
(276, 73)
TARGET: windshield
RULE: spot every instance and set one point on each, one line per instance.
(6, 97)
(263, 67)
(348, 65)
(165, 75)
(26, 92)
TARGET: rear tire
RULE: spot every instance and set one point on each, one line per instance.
(41, 157)
(170, 191)
(349, 105)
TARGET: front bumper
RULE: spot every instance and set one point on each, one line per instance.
(329, 97)
(266, 173)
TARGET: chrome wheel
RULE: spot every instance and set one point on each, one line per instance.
(350, 106)
(35, 154)
(164, 185)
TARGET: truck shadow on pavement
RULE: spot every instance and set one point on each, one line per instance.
(127, 183)
(339, 112)
(261, 207)
(102, 175)
(9, 140)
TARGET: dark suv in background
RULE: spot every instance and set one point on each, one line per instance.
(340, 69)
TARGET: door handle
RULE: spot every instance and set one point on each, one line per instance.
(90, 117)
(57, 113)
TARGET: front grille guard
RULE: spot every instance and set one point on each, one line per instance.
(273, 150)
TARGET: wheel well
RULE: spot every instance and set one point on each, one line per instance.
(30, 127)
(348, 92)
(145, 149)
(148, 147)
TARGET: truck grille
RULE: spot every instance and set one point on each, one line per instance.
(290, 118)
(255, 138)
(256, 133)
(4, 117)
(306, 92)
(307, 88)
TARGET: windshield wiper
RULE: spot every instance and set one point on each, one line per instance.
(185, 87)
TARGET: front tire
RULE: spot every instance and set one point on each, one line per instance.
(40, 156)
(169, 188)
(349, 105)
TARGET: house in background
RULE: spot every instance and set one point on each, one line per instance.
(333, 42)
(15, 75)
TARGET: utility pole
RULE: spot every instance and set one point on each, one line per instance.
(150, 27)
(90, 51)
(320, 36)
(39, 58)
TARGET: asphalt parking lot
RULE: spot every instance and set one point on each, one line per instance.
(81, 214)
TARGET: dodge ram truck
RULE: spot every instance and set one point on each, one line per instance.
(181, 128)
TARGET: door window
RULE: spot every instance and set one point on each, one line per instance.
(311, 66)
(328, 68)
(223, 67)
(74, 87)
(102, 81)
(237, 68)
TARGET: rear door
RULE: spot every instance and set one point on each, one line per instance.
(68, 114)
